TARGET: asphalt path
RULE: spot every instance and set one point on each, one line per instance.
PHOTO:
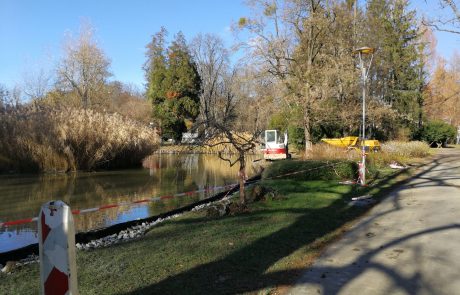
(407, 244)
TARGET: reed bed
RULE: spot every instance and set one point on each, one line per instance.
(401, 152)
(392, 151)
(323, 151)
(410, 149)
(70, 139)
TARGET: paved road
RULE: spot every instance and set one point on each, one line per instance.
(408, 244)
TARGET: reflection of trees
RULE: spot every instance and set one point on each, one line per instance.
(22, 197)
(200, 169)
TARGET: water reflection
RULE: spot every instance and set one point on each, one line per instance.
(22, 196)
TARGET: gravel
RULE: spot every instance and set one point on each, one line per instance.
(137, 231)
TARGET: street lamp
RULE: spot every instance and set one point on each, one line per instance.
(364, 74)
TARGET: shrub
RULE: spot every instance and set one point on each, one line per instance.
(311, 170)
(296, 137)
(438, 132)
(69, 139)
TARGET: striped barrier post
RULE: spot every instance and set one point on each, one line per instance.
(56, 232)
(362, 172)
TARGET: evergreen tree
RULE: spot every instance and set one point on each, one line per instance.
(173, 84)
(398, 73)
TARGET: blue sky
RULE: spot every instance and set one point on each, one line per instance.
(32, 32)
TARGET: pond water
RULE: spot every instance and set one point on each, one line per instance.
(21, 196)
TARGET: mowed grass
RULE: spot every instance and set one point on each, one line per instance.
(251, 252)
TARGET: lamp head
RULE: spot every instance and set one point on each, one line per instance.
(364, 50)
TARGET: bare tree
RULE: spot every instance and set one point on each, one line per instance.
(223, 96)
(15, 96)
(10, 98)
(84, 68)
(449, 22)
(288, 38)
(36, 84)
(224, 126)
(212, 63)
(127, 99)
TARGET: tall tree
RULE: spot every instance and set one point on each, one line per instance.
(84, 69)
(336, 113)
(227, 125)
(173, 84)
(233, 101)
(212, 60)
(398, 77)
(443, 93)
(288, 39)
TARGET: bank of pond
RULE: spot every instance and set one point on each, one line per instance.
(21, 196)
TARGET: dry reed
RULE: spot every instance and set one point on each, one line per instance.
(392, 151)
(401, 152)
(410, 149)
(323, 151)
(69, 139)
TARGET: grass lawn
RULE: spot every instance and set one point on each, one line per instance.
(194, 254)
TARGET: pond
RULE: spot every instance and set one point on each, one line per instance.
(21, 196)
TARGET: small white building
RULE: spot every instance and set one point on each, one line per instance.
(189, 138)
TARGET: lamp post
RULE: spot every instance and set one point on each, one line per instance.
(364, 74)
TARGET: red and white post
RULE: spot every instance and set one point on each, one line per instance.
(362, 169)
(56, 231)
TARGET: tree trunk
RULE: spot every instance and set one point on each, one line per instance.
(242, 178)
(307, 108)
(307, 132)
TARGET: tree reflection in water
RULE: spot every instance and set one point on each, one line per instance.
(22, 195)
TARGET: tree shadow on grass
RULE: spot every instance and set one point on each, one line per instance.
(246, 269)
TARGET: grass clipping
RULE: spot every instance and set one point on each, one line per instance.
(69, 139)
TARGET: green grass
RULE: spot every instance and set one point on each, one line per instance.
(251, 252)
